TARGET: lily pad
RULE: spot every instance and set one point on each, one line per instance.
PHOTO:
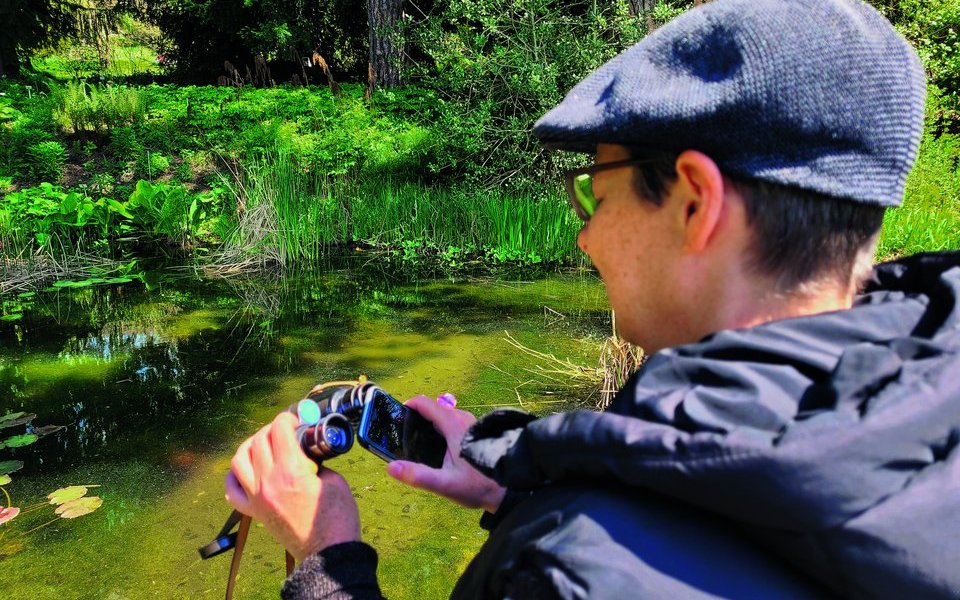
(66, 494)
(46, 430)
(5, 479)
(7, 514)
(79, 507)
(10, 466)
(19, 441)
(14, 419)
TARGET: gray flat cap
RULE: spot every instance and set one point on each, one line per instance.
(822, 95)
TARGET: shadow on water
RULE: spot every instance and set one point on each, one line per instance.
(156, 388)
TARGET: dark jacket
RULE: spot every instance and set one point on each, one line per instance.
(831, 440)
(827, 442)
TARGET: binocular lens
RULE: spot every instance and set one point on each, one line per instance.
(330, 437)
(307, 410)
(336, 437)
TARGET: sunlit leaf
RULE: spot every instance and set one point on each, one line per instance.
(79, 507)
(12, 317)
(8, 514)
(20, 419)
(5, 479)
(10, 466)
(66, 494)
(18, 441)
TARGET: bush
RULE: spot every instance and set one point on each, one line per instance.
(47, 161)
(82, 107)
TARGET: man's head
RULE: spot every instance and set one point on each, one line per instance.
(776, 132)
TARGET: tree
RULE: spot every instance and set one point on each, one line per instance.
(29, 25)
(205, 33)
(386, 47)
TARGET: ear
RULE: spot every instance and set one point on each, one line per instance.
(701, 193)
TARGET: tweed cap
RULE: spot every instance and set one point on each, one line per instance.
(823, 95)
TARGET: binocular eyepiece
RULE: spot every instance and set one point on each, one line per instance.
(330, 436)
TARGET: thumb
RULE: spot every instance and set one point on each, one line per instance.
(235, 494)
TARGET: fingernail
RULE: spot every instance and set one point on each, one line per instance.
(447, 399)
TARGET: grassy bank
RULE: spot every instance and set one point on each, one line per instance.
(251, 178)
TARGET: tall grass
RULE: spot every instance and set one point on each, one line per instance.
(286, 215)
(503, 226)
(83, 107)
(929, 219)
(282, 214)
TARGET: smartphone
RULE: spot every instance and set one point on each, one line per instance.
(392, 431)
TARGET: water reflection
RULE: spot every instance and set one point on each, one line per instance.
(129, 371)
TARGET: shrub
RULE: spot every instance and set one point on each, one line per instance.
(82, 107)
(47, 161)
(152, 164)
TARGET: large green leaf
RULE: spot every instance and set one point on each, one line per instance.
(79, 507)
(18, 441)
(10, 466)
(14, 419)
(67, 494)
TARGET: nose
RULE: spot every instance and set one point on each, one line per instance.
(582, 240)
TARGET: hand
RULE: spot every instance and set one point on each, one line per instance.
(456, 479)
(273, 481)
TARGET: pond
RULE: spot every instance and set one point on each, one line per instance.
(155, 390)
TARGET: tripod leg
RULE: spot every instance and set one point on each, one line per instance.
(237, 554)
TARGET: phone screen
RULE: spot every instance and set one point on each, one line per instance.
(392, 431)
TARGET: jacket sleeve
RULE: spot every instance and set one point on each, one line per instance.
(341, 572)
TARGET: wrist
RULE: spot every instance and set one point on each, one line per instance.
(494, 499)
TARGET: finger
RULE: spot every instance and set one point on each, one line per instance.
(283, 436)
(261, 454)
(446, 420)
(242, 468)
(447, 400)
(235, 494)
(418, 475)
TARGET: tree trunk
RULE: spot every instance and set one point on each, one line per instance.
(645, 8)
(386, 47)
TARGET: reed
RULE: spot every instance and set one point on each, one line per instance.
(290, 216)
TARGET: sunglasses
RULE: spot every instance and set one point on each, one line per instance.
(580, 185)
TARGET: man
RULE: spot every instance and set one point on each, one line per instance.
(786, 438)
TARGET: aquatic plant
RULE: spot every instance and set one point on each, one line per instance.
(71, 501)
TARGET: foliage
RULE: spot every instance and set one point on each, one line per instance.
(52, 216)
(205, 33)
(83, 107)
(29, 25)
(71, 501)
(169, 210)
(933, 27)
(930, 216)
(47, 161)
(502, 66)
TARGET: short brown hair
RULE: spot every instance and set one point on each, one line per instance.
(800, 237)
